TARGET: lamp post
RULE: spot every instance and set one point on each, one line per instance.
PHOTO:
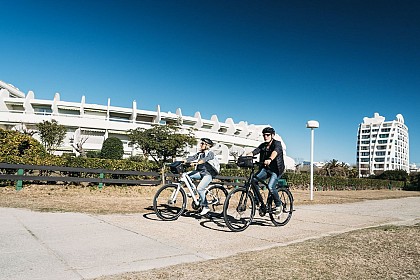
(312, 125)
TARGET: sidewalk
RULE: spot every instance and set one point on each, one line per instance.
(67, 246)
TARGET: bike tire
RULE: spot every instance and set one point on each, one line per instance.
(216, 196)
(286, 198)
(239, 209)
(166, 206)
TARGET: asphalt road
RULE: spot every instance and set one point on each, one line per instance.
(72, 246)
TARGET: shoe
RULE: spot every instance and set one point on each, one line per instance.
(204, 211)
(278, 210)
(257, 207)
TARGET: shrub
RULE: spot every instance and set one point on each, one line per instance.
(93, 154)
(112, 148)
(396, 175)
(16, 147)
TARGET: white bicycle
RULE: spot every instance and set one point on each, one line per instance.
(170, 200)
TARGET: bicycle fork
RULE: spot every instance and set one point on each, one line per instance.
(172, 198)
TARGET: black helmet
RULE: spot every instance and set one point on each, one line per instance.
(207, 141)
(269, 130)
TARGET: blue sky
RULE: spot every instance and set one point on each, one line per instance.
(265, 62)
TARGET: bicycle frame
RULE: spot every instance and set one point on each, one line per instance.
(170, 200)
(188, 182)
(254, 188)
(241, 203)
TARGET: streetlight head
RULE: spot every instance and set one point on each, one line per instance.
(312, 124)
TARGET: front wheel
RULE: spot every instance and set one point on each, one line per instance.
(238, 209)
(286, 204)
(216, 197)
(170, 202)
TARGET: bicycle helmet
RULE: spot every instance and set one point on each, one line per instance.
(207, 141)
(269, 130)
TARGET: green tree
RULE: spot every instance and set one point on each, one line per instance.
(330, 168)
(161, 142)
(112, 148)
(334, 168)
(51, 134)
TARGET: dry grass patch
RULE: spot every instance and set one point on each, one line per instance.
(387, 252)
(79, 199)
(138, 199)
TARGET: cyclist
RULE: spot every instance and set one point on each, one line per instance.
(271, 155)
(203, 171)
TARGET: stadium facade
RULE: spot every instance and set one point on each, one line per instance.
(93, 123)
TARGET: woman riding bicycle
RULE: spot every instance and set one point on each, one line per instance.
(203, 171)
(271, 156)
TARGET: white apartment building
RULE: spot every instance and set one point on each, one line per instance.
(93, 123)
(382, 145)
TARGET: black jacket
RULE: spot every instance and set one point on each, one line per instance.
(276, 165)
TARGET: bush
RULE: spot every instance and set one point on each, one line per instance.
(321, 183)
(93, 154)
(414, 182)
(16, 147)
(112, 148)
(396, 175)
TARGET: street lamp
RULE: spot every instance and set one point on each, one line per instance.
(312, 125)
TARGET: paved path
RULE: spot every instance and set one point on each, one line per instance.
(67, 246)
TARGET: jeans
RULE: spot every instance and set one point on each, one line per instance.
(272, 183)
(201, 188)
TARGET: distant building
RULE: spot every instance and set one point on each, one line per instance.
(94, 123)
(382, 145)
(414, 168)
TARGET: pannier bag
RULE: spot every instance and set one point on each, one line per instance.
(176, 167)
(245, 161)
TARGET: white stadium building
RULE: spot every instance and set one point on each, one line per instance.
(94, 123)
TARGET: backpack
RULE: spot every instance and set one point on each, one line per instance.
(214, 163)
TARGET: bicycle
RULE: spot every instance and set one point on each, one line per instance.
(240, 205)
(170, 200)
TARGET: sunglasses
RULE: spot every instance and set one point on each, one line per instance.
(266, 134)
(202, 143)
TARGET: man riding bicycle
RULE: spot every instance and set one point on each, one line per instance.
(203, 171)
(271, 157)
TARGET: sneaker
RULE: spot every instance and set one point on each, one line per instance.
(278, 210)
(204, 211)
(257, 206)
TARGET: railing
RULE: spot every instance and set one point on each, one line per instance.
(20, 173)
(23, 173)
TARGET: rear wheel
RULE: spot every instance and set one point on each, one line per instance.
(216, 197)
(238, 209)
(170, 202)
(287, 207)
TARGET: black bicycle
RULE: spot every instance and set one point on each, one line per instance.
(240, 206)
